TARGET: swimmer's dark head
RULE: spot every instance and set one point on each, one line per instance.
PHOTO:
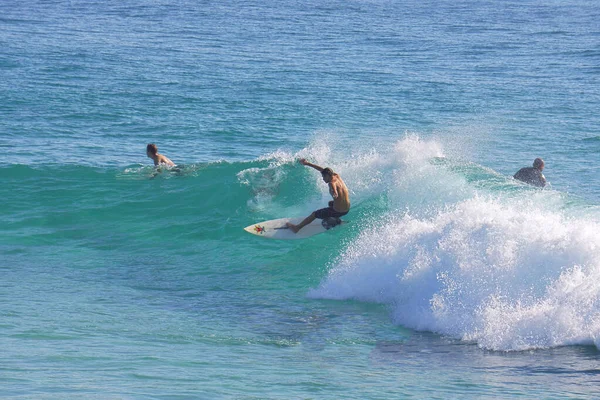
(151, 149)
(538, 163)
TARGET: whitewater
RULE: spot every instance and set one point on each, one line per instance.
(455, 248)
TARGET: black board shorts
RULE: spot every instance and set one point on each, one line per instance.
(329, 212)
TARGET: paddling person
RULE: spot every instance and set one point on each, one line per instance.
(338, 190)
(532, 175)
(159, 159)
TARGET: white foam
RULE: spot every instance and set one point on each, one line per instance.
(510, 270)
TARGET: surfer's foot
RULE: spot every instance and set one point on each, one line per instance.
(292, 227)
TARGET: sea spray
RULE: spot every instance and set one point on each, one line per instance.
(507, 278)
(508, 267)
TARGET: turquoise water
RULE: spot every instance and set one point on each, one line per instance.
(451, 279)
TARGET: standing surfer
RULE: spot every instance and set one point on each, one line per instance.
(338, 190)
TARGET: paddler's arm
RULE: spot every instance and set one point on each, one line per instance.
(304, 162)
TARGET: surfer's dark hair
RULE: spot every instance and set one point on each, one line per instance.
(538, 162)
(327, 171)
(151, 148)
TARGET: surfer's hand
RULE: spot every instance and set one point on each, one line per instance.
(303, 161)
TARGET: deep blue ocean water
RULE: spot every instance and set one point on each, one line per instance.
(452, 280)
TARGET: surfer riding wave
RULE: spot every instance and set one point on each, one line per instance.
(338, 207)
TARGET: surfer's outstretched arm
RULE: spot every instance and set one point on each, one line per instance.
(309, 164)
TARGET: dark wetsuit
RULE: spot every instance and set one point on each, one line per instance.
(532, 176)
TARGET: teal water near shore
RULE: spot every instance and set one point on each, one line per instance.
(451, 279)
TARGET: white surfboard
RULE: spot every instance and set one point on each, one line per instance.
(276, 229)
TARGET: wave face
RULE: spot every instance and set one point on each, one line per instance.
(448, 245)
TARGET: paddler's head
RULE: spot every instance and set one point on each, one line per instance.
(151, 150)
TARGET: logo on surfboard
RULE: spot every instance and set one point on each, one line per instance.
(259, 229)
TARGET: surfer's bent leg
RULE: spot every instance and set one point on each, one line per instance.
(306, 221)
